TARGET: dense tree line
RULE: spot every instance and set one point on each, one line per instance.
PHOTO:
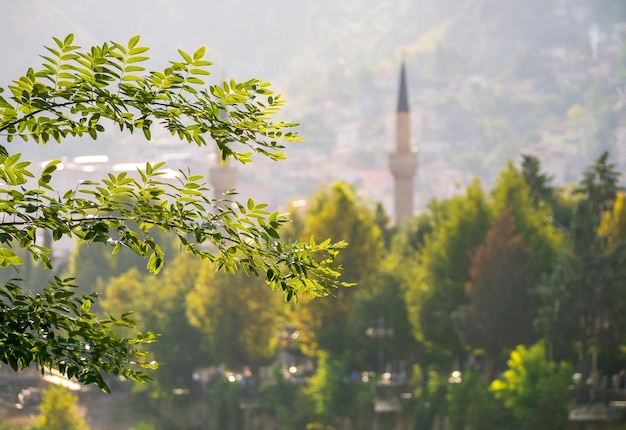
(487, 283)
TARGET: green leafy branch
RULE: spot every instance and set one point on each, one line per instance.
(76, 93)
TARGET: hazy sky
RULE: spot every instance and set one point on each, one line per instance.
(165, 25)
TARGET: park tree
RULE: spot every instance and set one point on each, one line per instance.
(435, 281)
(600, 185)
(501, 308)
(538, 182)
(59, 410)
(160, 304)
(90, 266)
(534, 389)
(236, 316)
(582, 299)
(380, 324)
(533, 220)
(77, 93)
(336, 212)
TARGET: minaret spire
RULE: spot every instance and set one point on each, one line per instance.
(403, 96)
(403, 161)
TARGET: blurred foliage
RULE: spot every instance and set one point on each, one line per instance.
(535, 389)
(59, 410)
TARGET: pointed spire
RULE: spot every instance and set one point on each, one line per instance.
(403, 97)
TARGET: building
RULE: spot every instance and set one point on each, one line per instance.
(403, 161)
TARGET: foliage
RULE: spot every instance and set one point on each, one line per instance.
(330, 389)
(161, 305)
(535, 389)
(532, 220)
(600, 184)
(379, 304)
(56, 329)
(236, 316)
(223, 403)
(472, 405)
(500, 312)
(435, 281)
(432, 405)
(92, 265)
(76, 93)
(539, 183)
(58, 410)
(582, 299)
(286, 402)
(336, 212)
(613, 223)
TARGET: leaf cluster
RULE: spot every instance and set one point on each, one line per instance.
(78, 92)
(75, 91)
(56, 329)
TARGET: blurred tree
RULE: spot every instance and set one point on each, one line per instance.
(330, 390)
(435, 285)
(239, 323)
(471, 404)
(501, 308)
(336, 212)
(383, 221)
(59, 410)
(286, 402)
(91, 265)
(581, 301)
(535, 390)
(538, 182)
(600, 184)
(379, 305)
(411, 238)
(533, 221)
(159, 303)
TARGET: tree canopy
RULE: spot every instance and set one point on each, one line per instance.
(79, 92)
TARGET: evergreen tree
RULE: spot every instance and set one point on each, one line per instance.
(538, 182)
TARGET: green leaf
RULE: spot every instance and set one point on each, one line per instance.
(199, 53)
(68, 40)
(155, 263)
(139, 50)
(86, 306)
(137, 59)
(199, 72)
(9, 258)
(185, 56)
(129, 69)
(133, 41)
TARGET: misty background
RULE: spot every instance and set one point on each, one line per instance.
(488, 80)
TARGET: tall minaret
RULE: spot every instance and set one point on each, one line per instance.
(403, 162)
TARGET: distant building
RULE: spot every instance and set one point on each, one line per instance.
(403, 161)
(223, 177)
